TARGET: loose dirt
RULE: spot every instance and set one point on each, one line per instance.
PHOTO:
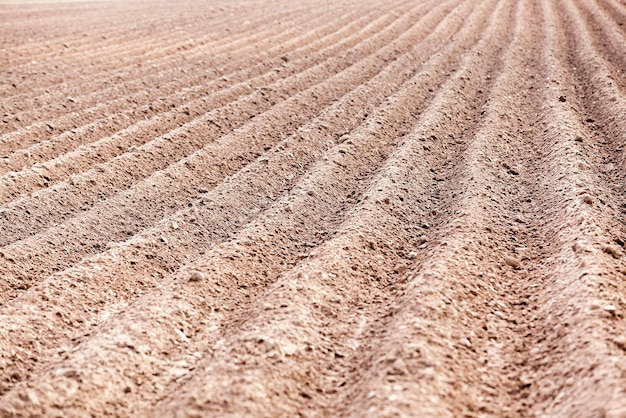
(297, 208)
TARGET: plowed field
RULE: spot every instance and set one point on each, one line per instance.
(313, 208)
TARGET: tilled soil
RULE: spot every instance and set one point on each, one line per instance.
(313, 208)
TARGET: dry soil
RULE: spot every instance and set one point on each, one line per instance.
(313, 208)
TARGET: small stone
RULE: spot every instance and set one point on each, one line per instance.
(32, 397)
(513, 262)
(400, 268)
(578, 247)
(196, 276)
(595, 305)
(163, 239)
(610, 309)
(620, 342)
(174, 225)
(612, 250)
(525, 381)
(562, 99)
(72, 374)
(466, 342)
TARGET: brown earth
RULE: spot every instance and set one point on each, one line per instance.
(313, 208)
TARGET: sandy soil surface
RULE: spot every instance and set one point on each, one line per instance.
(313, 208)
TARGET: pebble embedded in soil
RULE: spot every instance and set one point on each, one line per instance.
(620, 341)
(612, 250)
(577, 247)
(610, 309)
(400, 268)
(513, 262)
(196, 276)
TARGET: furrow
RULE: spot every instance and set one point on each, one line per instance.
(536, 333)
(22, 90)
(84, 109)
(162, 187)
(257, 27)
(144, 105)
(193, 51)
(115, 34)
(38, 212)
(167, 38)
(371, 251)
(44, 175)
(443, 344)
(616, 11)
(294, 208)
(604, 106)
(228, 195)
(187, 62)
(240, 37)
(609, 43)
(575, 366)
(34, 153)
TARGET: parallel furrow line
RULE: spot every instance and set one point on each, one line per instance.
(166, 39)
(45, 207)
(577, 222)
(224, 205)
(179, 63)
(609, 44)
(169, 190)
(283, 333)
(102, 61)
(117, 28)
(26, 181)
(606, 109)
(134, 90)
(617, 12)
(428, 336)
